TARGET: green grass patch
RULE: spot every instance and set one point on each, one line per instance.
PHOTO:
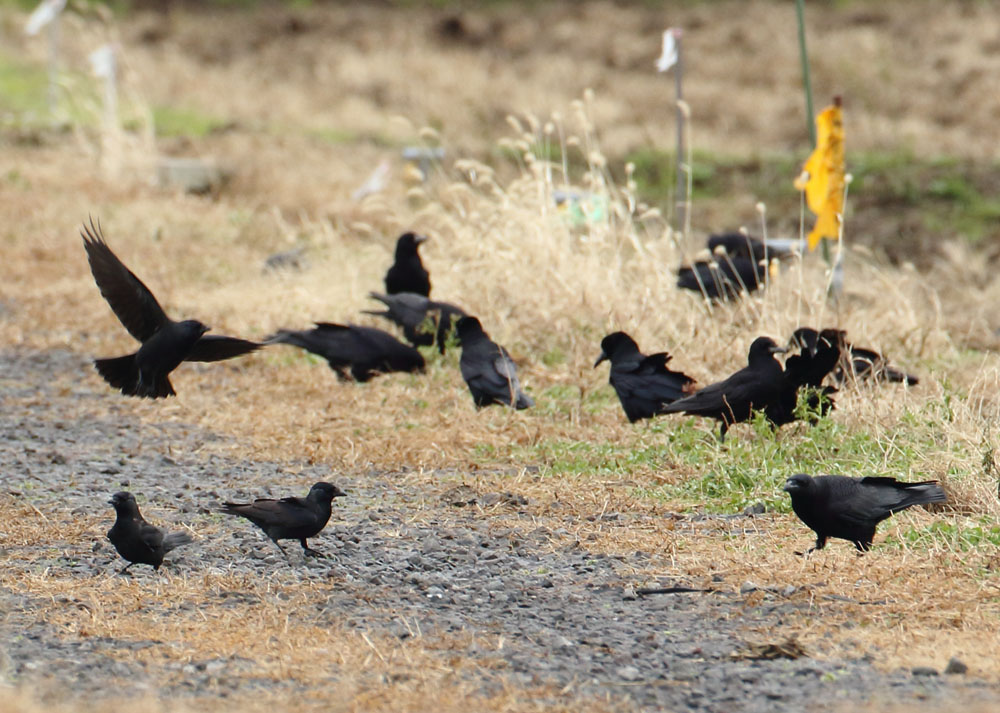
(179, 121)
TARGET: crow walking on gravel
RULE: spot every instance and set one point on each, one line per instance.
(753, 388)
(407, 273)
(165, 343)
(851, 508)
(643, 383)
(135, 539)
(291, 518)
(365, 351)
(424, 321)
(488, 369)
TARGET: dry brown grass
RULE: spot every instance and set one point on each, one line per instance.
(541, 286)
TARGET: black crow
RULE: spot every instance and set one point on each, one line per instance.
(851, 508)
(290, 518)
(424, 321)
(165, 343)
(864, 364)
(488, 369)
(723, 278)
(754, 387)
(135, 539)
(643, 383)
(407, 273)
(366, 351)
(817, 357)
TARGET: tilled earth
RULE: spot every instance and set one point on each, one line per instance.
(400, 562)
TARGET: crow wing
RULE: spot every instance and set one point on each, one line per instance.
(131, 301)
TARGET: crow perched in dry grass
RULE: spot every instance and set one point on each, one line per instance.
(424, 321)
(366, 351)
(851, 508)
(407, 273)
(135, 539)
(165, 343)
(739, 264)
(488, 369)
(754, 387)
(643, 383)
(290, 518)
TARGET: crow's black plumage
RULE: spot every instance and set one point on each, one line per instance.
(753, 388)
(366, 351)
(488, 369)
(407, 273)
(165, 343)
(864, 364)
(135, 539)
(290, 518)
(643, 383)
(739, 264)
(851, 508)
(424, 321)
(723, 278)
(817, 357)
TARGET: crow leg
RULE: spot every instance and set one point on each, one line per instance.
(310, 552)
(278, 545)
(125, 568)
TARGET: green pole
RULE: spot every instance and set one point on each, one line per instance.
(804, 58)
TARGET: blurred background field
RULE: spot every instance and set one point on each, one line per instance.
(297, 104)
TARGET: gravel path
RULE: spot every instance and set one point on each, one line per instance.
(567, 616)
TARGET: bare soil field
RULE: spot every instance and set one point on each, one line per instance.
(492, 560)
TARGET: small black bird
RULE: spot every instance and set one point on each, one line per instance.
(739, 264)
(424, 321)
(725, 278)
(290, 518)
(754, 387)
(165, 343)
(488, 369)
(643, 383)
(851, 508)
(407, 273)
(366, 351)
(135, 539)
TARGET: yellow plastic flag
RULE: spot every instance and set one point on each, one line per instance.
(823, 176)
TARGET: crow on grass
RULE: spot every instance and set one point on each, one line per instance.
(407, 273)
(643, 383)
(488, 369)
(135, 539)
(851, 508)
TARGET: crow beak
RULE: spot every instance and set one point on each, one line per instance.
(419, 239)
(778, 350)
(601, 358)
(790, 485)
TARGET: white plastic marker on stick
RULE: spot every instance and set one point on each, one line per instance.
(47, 15)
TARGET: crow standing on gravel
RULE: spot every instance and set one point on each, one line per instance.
(407, 273)
(135, 539)
(754, 387)
(424, 322)
(488, 369)
(643, 383)
(851, 508)
(165, 343)
(290, 518)
(366, 351)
